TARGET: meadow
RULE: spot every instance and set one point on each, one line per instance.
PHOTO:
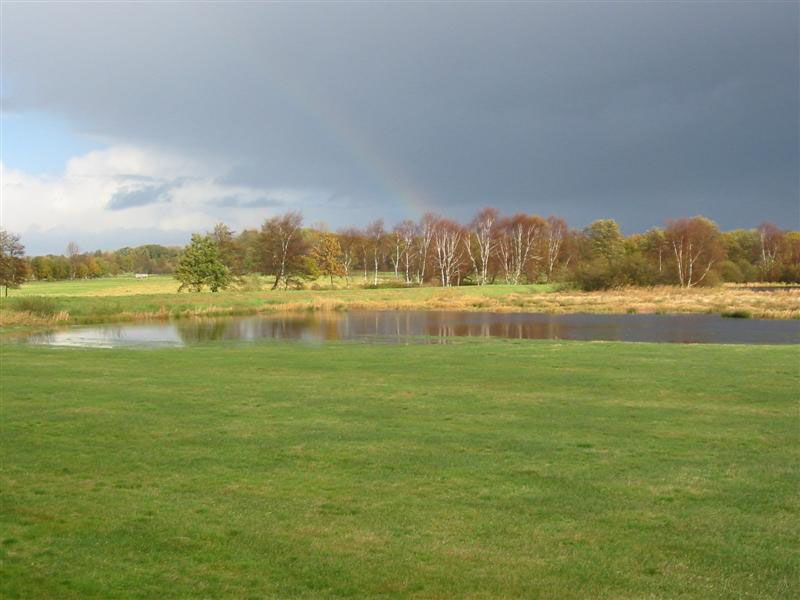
(473, 469)
(126, 299)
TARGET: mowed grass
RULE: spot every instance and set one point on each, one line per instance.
(473, 469)
(102, 286)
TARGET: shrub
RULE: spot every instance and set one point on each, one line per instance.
(598, 274)
(731, 272)
(737, 314)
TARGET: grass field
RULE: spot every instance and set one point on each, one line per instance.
(125, 299)
(103, 286)
(474, 469)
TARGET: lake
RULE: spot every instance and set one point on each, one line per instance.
(430, 327)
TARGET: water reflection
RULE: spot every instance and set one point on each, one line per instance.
(432, 327)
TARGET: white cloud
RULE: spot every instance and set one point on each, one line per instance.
(130, 188)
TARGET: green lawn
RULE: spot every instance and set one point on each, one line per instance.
(103, 286)
(473, 469)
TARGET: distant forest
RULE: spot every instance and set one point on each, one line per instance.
(491, 248)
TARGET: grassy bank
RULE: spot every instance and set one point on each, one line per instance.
(498, 468)
(124, 299)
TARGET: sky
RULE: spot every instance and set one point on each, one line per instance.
(126, 123)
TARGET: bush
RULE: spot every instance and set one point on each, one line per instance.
(598, 274)
(731, 272)
(737, 314)
(37, 305)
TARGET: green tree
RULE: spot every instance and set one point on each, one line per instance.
(13, 266)
(606, 240)
(201, 266)
(229, 250)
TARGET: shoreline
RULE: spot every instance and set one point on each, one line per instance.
(39, 311)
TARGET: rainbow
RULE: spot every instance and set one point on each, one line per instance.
(392, 176)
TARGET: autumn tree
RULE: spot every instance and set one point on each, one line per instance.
(201, 265)
(790, 259)
(13, 267)
(349, 242)
(655, 247)
(448, 238)
(517, 240)
(480, 242)
(74, 255)
(555, 232)
(770, 239)
(283, 247)
(424, 238)
(696, 247)
(376, 240)
(327, 253)
(405, 236)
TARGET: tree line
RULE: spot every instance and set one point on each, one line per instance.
(491, 248)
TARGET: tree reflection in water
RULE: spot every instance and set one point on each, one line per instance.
(432, 327)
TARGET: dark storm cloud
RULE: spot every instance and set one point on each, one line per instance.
(639, 112)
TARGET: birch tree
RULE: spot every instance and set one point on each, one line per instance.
(282, 245)
(696, 247)
(424, 239)
(770, 239)
(480, 242)
(555, 231)
(349, 240)
(404, 235)
(517, 239)
(448, 254)
(376, 237)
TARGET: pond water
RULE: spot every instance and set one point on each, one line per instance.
(431, 327)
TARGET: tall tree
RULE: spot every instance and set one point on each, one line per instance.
(555, 231)
(402, 237)
(376, 238)
(480, 242)
(424, 238)
(406, 233)
(518, 237)
(696, 246)
(283, 246)
(13, 267)
(770, 239)
(654, 246)
(229, 250)
(201, 265)
(74, 255)
(447, 241)
(349, 242)
(606, 240)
